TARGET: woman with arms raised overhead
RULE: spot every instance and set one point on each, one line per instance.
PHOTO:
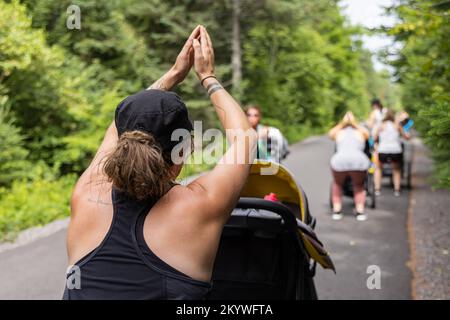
(135, 233)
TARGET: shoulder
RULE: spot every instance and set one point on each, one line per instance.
(275, 132)
(90, 205)
(182, 197)
(339, 134)
(263, 129)
(90, 188)
(190, 204)
(360, 135)
(91, 216)
(274, 129)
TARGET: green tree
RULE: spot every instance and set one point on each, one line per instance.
(423, 69)
(300, 62)
(13, 155)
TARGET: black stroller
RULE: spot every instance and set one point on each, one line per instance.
(268, 249)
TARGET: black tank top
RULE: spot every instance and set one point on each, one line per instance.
(124, 267)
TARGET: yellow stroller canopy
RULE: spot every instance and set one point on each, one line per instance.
(269, 177)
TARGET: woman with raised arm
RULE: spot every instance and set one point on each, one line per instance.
(349, 161)
(135, 233)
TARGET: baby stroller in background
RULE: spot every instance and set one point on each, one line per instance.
(405, 166)
(369, 182)
(268, 249)
(277, 148)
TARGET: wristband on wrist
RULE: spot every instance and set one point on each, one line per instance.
(213, 87)
(201, 82)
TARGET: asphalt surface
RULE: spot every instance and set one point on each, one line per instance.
(429, 227)
(381, 240)
(36, 270)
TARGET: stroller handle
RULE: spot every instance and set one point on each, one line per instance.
(279, 208)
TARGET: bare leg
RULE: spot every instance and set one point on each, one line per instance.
(360, 198)
(337, 197)
(359, 194)
(397, 176)
(377, 176)
(336, 192)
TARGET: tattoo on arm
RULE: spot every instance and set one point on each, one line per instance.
(99, 201)
(213, 88)
(160, 84)
(166, 82)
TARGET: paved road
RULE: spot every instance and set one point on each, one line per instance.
(36, 271)
(381, 240)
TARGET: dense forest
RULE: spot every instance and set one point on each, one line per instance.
(299, 60)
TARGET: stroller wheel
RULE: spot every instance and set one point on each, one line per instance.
(331, 197)
(310, 290)
(306, 288)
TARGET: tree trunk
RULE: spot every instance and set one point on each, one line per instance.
(236, 58)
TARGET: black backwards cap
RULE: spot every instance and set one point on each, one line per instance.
(156, 112)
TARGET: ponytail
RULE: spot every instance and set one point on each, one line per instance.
(138, 166)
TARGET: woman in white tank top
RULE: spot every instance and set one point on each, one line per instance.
(389, 135)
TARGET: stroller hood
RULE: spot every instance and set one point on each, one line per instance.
(269, 177)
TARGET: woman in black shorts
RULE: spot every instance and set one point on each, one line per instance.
(389, 135)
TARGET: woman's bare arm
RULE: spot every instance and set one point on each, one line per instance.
(334, 131)
(180, 69)
(94, 173)
(220, 188)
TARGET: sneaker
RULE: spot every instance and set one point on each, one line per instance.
(377, 193)
(336, 216)
(397, 193)
(361, 217)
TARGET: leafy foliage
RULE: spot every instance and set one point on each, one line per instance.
(423, 66)
(13, 163)
(301, 64)
(31, 203)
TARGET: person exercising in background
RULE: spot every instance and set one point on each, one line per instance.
(377, 115)
(272, 145)
(349, 161)
(403, 118)
(375, 119)
(388, 136)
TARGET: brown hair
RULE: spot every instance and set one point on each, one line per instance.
(138, 166)
(389, 116)
(253, 106)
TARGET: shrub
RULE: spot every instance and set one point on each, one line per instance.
(31, 203)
